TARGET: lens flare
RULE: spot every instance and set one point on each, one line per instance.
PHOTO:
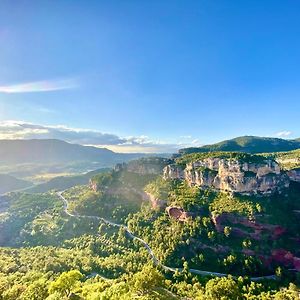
(40, 86)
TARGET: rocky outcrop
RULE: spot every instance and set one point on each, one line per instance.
(144, 166)
(294, 174)
(177, 213)
(93, 185)
(242, 227)
(174, 171)
(231, 175)
(285, 258)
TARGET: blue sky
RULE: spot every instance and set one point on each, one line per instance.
(159, 75)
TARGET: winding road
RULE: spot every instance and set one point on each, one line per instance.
(148, 248)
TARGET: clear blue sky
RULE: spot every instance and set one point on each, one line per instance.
(174, 71)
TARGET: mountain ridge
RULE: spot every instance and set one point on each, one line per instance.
(250, 144)
(9, 183)
(57, 151)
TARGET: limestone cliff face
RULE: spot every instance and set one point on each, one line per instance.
(174, 171)
(231, 175)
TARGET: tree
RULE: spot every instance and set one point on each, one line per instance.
(65, 282)
(227, 231)
(222, 289)
(288, 294)
(38, 290)
(147, 279)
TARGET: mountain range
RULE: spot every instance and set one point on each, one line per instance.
(55, 152)
(250, 144)
(52, 151)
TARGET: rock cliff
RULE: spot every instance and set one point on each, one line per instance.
(231, 175)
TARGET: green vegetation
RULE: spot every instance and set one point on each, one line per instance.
(9, 183)
(250, 144)
(224, 203)
(153, 165)
(118, 194)
(207, 171)
(198, 241)
(114, 206)
(48, 254)
(287, 160)
(243, 157)
(46, 280)
(159, 188)
(137, 181)
(39, 219)
(65, 182)
(22, 210)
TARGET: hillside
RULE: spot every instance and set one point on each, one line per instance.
(9, 183)
(134, 234)
(42, 159)
(65, 182)
(250, 144)
(56, 151)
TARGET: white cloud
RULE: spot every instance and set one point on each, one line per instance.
(196, 142)
(40, 86)
(26, 130)
(284, 133)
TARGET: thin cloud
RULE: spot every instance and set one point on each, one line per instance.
(284, 133)
(40, 86)
(143, 148)
(186, 136)
(26, 130)
(143, 143)
(196, 143)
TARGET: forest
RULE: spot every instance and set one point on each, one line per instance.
(50, 251)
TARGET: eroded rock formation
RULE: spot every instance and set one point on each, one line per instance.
(231, 175)
(177, 213)
(242, 227)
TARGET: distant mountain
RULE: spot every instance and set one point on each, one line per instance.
(65, 182)
(51, 151)
(9, 183)
(251, 144)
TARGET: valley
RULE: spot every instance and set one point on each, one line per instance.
(149, 150)
(188, 221)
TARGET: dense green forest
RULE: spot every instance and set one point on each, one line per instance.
(251, 144)
(54, 250)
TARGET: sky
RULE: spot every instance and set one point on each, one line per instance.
(149, 75)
